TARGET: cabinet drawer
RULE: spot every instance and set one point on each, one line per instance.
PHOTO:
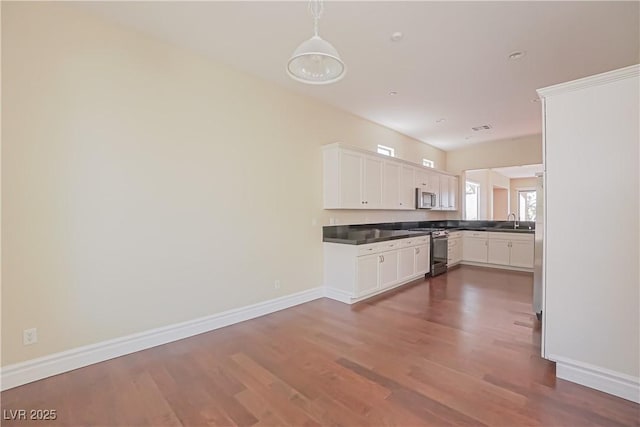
(511, 236)
(455, 235)
(414, 241)
(391, 245)
(369, 249)
(478, 234)
(422, 240)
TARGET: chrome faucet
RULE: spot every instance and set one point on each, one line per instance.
(516, 223)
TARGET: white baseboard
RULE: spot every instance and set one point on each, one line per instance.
(605, 380)
(348, 298)
(500, 267)
(338, 295)
(54, 364)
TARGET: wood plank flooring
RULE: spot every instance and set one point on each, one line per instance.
(458, 349)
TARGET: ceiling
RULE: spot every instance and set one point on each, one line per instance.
(525, 171)
(451, 64)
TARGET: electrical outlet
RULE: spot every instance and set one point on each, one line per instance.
(29, 336)
(276, 284)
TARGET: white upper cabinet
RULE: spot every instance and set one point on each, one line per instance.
(407, 188)
(372, 182)
(444, 192)
(352, 180)
(422, 179)
(358, 179)
(391, 187)
(351, 172)
(453, 193)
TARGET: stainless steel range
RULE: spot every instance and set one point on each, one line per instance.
(439, 249)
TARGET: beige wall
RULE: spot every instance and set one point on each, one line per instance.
(145, 185)
(520, 184)
(489, 179)
(500, 200)
(526, 150)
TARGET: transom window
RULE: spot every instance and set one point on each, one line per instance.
(387, 151)
(428, 163)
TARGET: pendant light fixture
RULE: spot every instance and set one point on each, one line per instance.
(316, 61)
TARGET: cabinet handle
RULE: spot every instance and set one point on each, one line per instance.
(417, 250)
(400, 203)
(486, 243)
(362, 203)
(380, 258)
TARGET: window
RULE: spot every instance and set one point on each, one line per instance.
(428, 163)
(527, 205)
(387, 151)
(472, 200)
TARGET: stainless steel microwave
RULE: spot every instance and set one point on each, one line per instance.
(424, 199)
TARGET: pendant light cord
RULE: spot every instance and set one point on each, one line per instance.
(316, 8)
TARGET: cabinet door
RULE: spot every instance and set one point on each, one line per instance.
(474, 249)
(407, 188)
(406, 263)
(423, 259)
(444, 192)
(367, 274)
(453, 193)
(434, 187)
(388, 269)
(454, 245)
(351, 168)
(458, 252)
(391, 185)
(421, 179)
(498, 252)
(372, 182)
(522, 254)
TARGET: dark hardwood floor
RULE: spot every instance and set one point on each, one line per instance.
(462, 348)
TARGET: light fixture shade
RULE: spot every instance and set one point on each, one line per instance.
(316, 62)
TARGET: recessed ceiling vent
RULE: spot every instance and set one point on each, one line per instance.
(479, 128)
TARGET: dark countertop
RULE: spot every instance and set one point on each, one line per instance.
(495, 229)
(361, 234)
(371, 235)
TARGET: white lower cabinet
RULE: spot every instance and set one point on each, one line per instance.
(498, 252)
(406, 263)
(388, 268)
(422, 256)
(353, 272)
(454, 255)
(367, 273)
(522, 253)
(498, 249)
(474, 246)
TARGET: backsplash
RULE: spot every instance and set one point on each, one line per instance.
(353, 217)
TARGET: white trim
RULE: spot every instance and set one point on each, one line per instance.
(596, 80)
(340, 145)
(54, 364)
(605, 380)
(498, 266)
(337, 294)
(348, 298)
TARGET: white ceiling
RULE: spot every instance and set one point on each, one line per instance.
(452, 62)
(525, 171)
